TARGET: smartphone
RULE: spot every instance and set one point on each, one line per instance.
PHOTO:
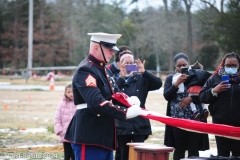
(225, 77)
(131, 67)
(184, 70)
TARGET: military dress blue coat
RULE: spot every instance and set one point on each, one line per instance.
(93, 84)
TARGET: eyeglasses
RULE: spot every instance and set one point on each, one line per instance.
(231, 66)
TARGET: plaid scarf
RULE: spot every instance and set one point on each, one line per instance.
(233, 78)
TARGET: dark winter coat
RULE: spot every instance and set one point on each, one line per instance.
(138, 85)
(197, 77)
(226, 106)
(170, 92)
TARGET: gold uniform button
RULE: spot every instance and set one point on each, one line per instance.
(112, 88)
(124, 109)
(101, 64)
(111, 82)
(107, 75)
(118, 106)
(98, 115)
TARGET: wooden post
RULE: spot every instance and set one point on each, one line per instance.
(153, 152)
(132, 153)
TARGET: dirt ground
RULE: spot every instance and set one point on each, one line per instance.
(21, 110)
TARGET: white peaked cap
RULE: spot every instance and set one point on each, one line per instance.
(105, 37)
(108, 40)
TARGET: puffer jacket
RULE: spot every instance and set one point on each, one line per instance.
(65, 111)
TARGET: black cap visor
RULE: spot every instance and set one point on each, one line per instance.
(108, 45)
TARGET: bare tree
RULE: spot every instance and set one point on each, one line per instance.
(16, 35)
(169, 32)
(188, 4)
(213, 5)
(42, 28)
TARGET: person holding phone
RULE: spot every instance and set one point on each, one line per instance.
(193, 88)
(134, 83)
(179, 107)
(115, 65)
(223, 100)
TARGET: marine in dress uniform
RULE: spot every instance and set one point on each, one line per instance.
(92, 131)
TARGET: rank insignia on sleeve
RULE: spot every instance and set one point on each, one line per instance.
(90, 81)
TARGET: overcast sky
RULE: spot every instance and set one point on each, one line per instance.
(156, 3)
(141, 4)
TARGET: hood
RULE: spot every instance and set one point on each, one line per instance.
(64, 98)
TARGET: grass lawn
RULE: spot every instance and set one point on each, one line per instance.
(36, 109)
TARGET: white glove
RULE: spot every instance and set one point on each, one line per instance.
(133, 100)
(133, 111)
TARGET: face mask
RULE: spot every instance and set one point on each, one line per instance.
(230, 70)
(129, 74)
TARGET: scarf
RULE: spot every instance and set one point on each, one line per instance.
(130, 79)
(233, 77)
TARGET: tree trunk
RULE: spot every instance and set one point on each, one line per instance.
(16, 34)
(190, 42)
(170, 47)
(222, 5)
(1, 31)
(42, 23)
(72, 32)
(158, 68)
(189, 29)
(166, 5)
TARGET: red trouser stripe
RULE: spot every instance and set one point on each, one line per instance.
(83, 151)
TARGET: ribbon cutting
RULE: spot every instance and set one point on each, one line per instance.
(186, 124)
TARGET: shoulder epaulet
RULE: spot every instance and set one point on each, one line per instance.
(86, 63)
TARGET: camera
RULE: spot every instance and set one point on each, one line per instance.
(131, 67)
(184, 70)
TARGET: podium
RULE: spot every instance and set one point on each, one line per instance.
(132, 154)
(152, 152)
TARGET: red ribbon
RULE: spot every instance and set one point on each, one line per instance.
(186, 124)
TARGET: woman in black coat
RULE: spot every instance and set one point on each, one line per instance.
(179, 107)
(224, 101)
(137, 83)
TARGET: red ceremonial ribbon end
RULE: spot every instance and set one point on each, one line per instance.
(186, 124)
